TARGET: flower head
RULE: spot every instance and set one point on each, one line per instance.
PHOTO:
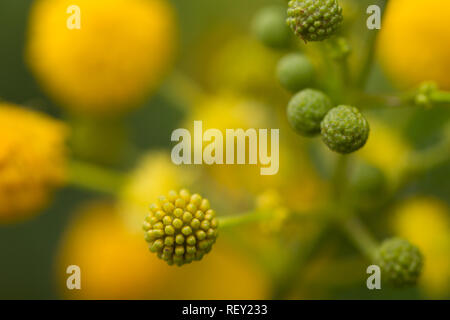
(32, 160)
(400, 261)
(110, 64)
(314, 20)
(181, 227)
(414, 42)
(295, 72)
(344, 129)
(306, 110)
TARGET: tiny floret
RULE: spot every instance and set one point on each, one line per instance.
(344, 129)
(400, 262)
(314, 20)
(181, 227)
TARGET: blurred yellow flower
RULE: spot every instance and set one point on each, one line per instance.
(154, 175)
(426, 222)
(32, 161)
(414, 43)
(385, 149)
(243, 65)
(108, 65)
(270, 200)
(116, 264)
(226, 273)
(295, 180)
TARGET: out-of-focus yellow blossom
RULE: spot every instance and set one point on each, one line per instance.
(243, 65)
(426, 222)
(270, 200)
(116, 264)
(385, 149)
(414, 43)
(108, 65)
(154, 175)
(295, 180)
(226, 273)
(32, 161)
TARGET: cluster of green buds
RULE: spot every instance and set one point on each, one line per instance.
(311, 112)
(181, 227)
(343, 128)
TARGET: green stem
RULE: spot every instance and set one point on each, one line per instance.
(339, 177)
(422, 161)
(370, 53)
(243, 219)
(345, 71)
(360, 237)
(440, 97)
(94, 178)
(364, 100)
(300, 256)
(356, 231)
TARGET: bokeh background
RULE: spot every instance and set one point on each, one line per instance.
(220, 73)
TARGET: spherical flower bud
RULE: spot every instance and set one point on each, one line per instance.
(314, 20)
(306, 110)
(269, 26)
(344, 129)
(180, 238)
(400, 261)
(295, 72)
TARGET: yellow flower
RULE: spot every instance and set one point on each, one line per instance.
(154, 175)
(226, 273)
(243, 65)
(414, 43)
(385, 149)
(108, 65)
(270, 200)
(295, 180)
(32, 161)
(426, 222)
(115, 264)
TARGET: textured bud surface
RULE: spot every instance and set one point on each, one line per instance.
(181, 227)
(344, 129)
(295, 72)
(306, 110)
(314, 20)
(400, 261)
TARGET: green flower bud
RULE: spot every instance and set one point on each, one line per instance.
(269, 26)
(314, 20)
(344, 129)
(306, 110)
(367, 180)
(400, 261)
(175, 235)
(295, 72)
